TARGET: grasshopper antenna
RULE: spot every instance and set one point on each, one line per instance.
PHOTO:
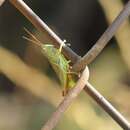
(33, 40)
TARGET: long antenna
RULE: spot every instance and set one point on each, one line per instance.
(33, 40)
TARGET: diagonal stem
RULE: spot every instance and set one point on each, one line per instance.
(51, 123)
(1, 2)
(103, 40)
(43, 28)
(107, 106)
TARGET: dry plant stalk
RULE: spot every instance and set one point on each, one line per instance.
(43, 28)
(51, 123)
(106, 36)
(1, 2)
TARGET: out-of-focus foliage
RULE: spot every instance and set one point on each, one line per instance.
(29, 89)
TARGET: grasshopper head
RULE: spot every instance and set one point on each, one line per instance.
(49, 50)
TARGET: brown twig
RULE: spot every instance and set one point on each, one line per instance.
(43, 28)
(1, 2)
(107, 106)
(104, 39)
(40, 25)
(67, 101)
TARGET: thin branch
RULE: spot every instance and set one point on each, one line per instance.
(103, 40)
(40, 25)
(51, 123)
(1, 2)
(43, 28)
(107, 106)
(67, 101)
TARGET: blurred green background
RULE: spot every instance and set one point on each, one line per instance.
(29, 89)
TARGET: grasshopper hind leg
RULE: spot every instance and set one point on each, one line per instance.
(65, 91)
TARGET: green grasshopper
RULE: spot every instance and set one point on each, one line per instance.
(58, 62)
